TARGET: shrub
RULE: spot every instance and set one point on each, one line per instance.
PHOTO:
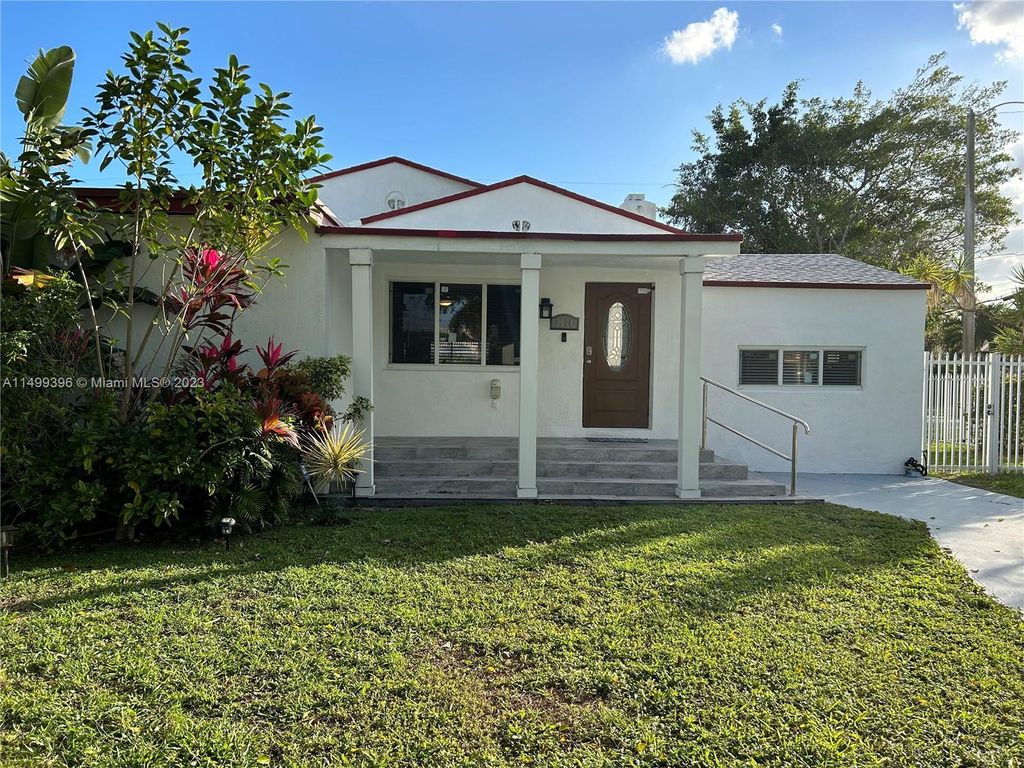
(327, 378)
(43, 353)
(331, 455)
(327, 375)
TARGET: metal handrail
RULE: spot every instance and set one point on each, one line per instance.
(797, 422)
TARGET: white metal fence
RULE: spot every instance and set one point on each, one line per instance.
(973, 413)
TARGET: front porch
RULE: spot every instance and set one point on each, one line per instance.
(506, 405)
(486, 468)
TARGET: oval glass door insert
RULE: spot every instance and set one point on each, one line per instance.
(616, 337)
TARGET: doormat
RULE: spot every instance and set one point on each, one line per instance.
(616, 439)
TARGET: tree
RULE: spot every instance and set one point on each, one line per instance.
(880, 181)
(1010, 336)
(197, 279)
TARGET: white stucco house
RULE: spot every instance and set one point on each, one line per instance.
(516, 337)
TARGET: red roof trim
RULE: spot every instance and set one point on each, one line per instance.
(522, 180)
(670, 237)
(853, 286)
(110, 198)
(386, 161)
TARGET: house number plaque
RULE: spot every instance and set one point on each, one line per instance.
(565, 323)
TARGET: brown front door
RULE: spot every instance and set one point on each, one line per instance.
(617, 355)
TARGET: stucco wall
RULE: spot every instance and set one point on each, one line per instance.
(293, 309)
(495, 210)
(872, 428)
(354, 195)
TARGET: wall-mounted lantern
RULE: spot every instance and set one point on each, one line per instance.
(6, 536)
(545, 309)
(227, 525)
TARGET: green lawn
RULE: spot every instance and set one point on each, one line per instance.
(1010, 483)
(500, 636)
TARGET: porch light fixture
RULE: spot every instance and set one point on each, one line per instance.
(445, 300)
(545, 309)
(227, 524)
(6, 537)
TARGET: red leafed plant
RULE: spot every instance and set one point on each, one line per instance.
(272, 422)
(215, 287)
(272, 357)
(281, 396)
(214, 364)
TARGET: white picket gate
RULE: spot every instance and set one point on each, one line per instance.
(973, 416)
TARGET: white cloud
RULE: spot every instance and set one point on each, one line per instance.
(994, 22)
(777, 30)
(995, 269)
(702, 38)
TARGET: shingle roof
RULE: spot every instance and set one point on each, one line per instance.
(802, 270)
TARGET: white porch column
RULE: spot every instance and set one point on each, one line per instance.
(529, 360)
(361, 260)
(691, 269)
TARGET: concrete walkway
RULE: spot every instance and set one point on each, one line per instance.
(984, 530)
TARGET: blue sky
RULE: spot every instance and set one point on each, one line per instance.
(579, 94)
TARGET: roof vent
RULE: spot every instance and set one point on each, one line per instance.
(637, 202)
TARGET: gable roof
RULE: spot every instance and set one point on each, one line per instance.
(482, 190)
(387, 161)
(802, 270)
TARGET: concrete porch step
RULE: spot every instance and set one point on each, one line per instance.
(587, 487)
(569, 487)
(411, 487)
(416, 468)
(389, 449)
(721, 469)
(753, 487)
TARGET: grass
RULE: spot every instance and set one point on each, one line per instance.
(1010, 483)
(506, 636)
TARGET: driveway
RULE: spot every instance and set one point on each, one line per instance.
(984, 530)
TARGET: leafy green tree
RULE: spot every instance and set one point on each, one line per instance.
(877, 180)
(154, 117)
(1010, 336)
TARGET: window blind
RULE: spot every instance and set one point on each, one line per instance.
(759, 366)
(841, 368)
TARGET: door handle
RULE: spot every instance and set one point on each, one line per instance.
(590, 350)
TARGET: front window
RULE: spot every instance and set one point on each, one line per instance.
(460, 325)
(503, 324)
(454, 323)
(801, 367)
(412, 322)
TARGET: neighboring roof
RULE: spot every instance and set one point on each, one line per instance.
(802, 270)
(655, 237)
(109, 198)
(387, 161)
(524, 180)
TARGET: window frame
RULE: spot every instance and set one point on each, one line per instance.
(435, 365)
(821, 350)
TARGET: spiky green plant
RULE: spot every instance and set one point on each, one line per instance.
(331, 455)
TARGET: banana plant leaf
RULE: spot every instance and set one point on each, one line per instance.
(42, 92)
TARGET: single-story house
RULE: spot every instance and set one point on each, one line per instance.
(520, 339)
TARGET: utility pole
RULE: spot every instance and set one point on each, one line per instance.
(970, 301)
